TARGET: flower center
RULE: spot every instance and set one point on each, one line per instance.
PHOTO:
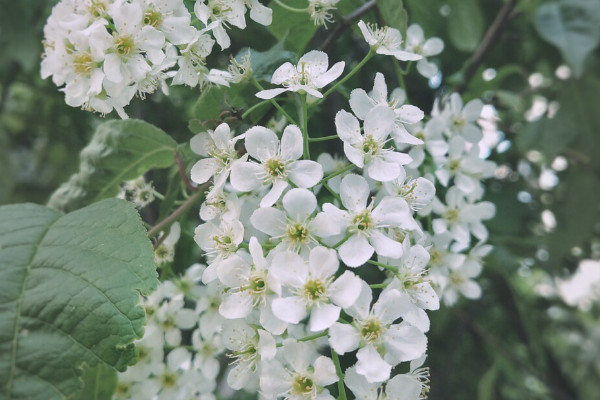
(168, 380)
(275, 168)
(297, 233)
(458, 122)
(302, 385)
(371, 330)
(152, 18)
(97, 9)
(125, 45)
(257, 285)
(451, 215)
(314, 290)
(363, 221)
(83, 63)
(371, 146)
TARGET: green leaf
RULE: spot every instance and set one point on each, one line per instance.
(99, 383)
(265, 62)
(296, 28)
(573, 26)
(485, 388)
(69, 294)
(394, 14)
(465, 24)
(119, 151)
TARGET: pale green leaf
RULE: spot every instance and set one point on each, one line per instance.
(265, 62)
(466, 24)
(99, 383)
(69, 294)
(296, 28)
(573, 27)
(394, 14)
(119, 151)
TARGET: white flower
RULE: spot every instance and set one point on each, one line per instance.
(366, 224)
(462, 218)
(170, 17)
(250, 282)
(461, 120)
(249, 347)
(367, 149)
(320, 11)
(304, 376)
(416, 43)
(308, 75)
(386, 41)
(219, 148)
(361, 103)
(382, 343)
(296, 227)
(223, 12)
(165, 252)
(313, 288)
(278, 166)
(259, 13)
(418, 193)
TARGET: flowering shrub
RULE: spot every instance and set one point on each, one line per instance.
(320, 239)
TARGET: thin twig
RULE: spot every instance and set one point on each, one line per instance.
(183, 173)
(346, 22)
(490, 37)
(175, 214)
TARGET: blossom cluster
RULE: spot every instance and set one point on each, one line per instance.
(103, 53)
(342, 253)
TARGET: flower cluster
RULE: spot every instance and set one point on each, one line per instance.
(103, 53)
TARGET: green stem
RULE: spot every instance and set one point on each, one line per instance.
(324, 138)
(309, 338)
(306, 149)
(336, 173)
(385, 266)
(337, 196)
(289, 8)
(378, 286)
(338, 244)
(175, 214)
(158, 195)
(254, 107)
(274, 103)
(340, 374)
(362, 62)
(400, 74)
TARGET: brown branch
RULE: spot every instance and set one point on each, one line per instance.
(345, 23)
(489, 39)
(183, 173)
(176, 214)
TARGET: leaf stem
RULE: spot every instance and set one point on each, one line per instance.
(324, 138)
(290, 8)
(350, 74)
(336, 173)
(340, 374)
(384, 266)
(274, 103)
(254, 107)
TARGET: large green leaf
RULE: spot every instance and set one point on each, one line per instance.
(99, 383)
(69, 294)
(573, 26)
(296, 28)
(465, 24)
(119, 151)
(394, 14)
(265, 62)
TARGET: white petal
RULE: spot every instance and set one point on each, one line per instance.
(348, 127)
(323, 262)
(236, 305)
(325, 373)
(383, 171)
(404, 342)
(291, 143)
(355, 251)
(331, 75)
(274, 194)
(385, 246)
(203, 170)
(245, 176)
(403, 387)
(388, 307)
(344, 291)
(289, 309)
(261, 143)
(299, 203)
(371, 365)
(323, 316)
(260, 13)
(270, 93)
(360, 103)
(343, 338)
(269, 220)
(354, 192)
(305, 173)
(379, 122)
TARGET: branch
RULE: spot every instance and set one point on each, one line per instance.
(183, 173)
(177, 213)
(346, 22)
(490, 37)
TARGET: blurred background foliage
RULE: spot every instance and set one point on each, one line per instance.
(535, 62)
